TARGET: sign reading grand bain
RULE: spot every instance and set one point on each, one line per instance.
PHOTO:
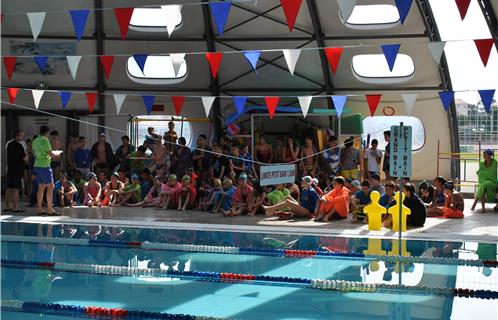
(277, 174)
(401, 151)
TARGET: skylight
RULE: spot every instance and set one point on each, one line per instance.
(373, 68)
(373, 16)
(157, 70)
(162, 19)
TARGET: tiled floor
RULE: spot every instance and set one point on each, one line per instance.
(475, 226)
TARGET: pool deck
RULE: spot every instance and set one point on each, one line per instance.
(476, 226)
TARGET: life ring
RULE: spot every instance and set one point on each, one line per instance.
(388, 111)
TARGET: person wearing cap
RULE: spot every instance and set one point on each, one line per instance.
(130, 194)
(168, 195)
(242, 197)
(153, 198)
(102, 155)
(64, 191)
(487, 180)
(92, 191)
(455, 206)
(305, 208)
(375, 183)
(335, 204)
(113, 185)
(16, 157)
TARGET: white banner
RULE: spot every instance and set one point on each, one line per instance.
(277, 174)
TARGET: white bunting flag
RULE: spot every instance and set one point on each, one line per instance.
(118, 101)
(304, 102)
(409, 99)
(177, 59)
(37, 95)
(291, 56)
(73, 62)
(207, 102)
(172, 16)
(346, 7)
(436, 49)
(36, 20)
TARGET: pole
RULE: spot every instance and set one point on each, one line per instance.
(400, 214)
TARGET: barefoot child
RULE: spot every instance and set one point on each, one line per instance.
(186, 195)
(335, 204)
(92, 191)
(224, 199)
(241, 198)
(168, 196)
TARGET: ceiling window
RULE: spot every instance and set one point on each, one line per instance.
(157, 19)
(375, 16)
(373, 68)
(157, 70)
(375, 127)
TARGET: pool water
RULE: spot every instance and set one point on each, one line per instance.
(242, 300)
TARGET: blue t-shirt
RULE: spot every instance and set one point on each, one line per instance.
(384, 201)
(362, 197)
(82, 158)
(440, 199)
(248, 162)
(226, 202)
(308, 199)
(333, 160)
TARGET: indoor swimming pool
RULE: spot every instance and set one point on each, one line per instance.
(67, 271)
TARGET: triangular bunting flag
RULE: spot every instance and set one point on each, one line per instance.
(333, 56)
(171, 13)
(118, 101)
(240, 103)
(436, 49)
(91, 97)
(484, 48)
(36, 22)
(79, 18)
(65, 96)
(252, 57)
(390, 52)
(123, 17)
(73, 62)
(12, 92)
(446, 98)
(37, 95)
(107, 62)
(41, 62)
(141, 59)
(291, 9)
(178, 103)
(487, 98)
(148, 101)
(373, 102)
(339, 102)
(403, 8)
(207, 103)
(304, 102)
(214, 59)
(271, 105)
(1, 17)
(463, 6)
(220, 11)
(177, 59)
(346, 8)
(10, 64)
(291, 56)
(409, 99)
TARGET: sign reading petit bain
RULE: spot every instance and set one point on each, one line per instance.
(401, 151)
(271, 175)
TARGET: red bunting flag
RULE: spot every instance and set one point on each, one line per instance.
(178, 102)
(107, 62)
(463, 6)
(333, 55)
(214, 59)
(12, 92)
(10, 63)
(484, 47)
(1, 19)
(123, 16)
(271, 105)
(91, 97)
(291, 9)
(373, 102)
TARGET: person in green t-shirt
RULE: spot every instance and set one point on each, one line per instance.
(279, 194)
(44, 176)
(130, 194)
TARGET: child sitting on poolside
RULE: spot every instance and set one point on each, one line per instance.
(258, 200)
(454, 205)
(361, 199)
(186, 195)
(168, 195)
(207, 202)
(153, 198)
(92, 191)
(335, 204)
(223, 198)
(242, 197)
(113, 184)
(131, 193)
